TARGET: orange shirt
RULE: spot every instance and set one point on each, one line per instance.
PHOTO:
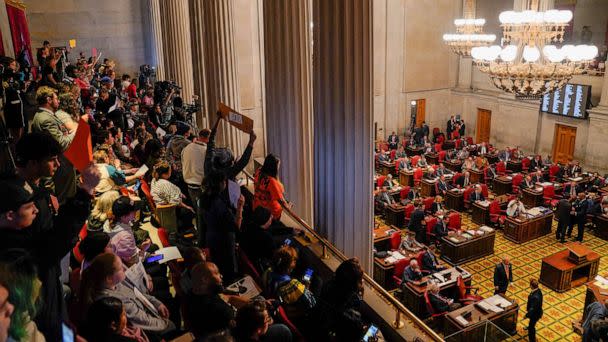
(268, 192)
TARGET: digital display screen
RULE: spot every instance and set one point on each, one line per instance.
(571, 100)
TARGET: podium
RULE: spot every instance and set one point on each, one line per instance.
(569, 268)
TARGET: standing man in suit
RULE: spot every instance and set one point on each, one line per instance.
(572, 189)
(461, 128)
(563, 218)
(503, 276)
(393, 141)
(534, 309)
(579, 216)
(417, 223)
(425, 129)
(450, 126)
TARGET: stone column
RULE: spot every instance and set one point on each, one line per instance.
(213, 34)
(288, 67)
(595, 158)
(176, 40)
(342, 69)
(157, 38)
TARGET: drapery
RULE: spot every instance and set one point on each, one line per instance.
(1, 45)
(20, 32)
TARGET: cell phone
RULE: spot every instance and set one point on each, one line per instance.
(154, 258)
(308, 275)
(137, 185)
(371, 333)
(287, 242)
(67, 333)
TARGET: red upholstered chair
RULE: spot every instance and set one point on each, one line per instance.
(455, 135)
(430, 225)
(501, 168)
(414, 160)
(247, 267)
(455, 178)
(435, 131)
(457, 144)
(163, 236)
(497, 216)
(418, 173)
(467, 196)
(484, 190)
(517, 179)
(285, 320)
(145, 188)
(409, 209)
(380, 181)
(404, 191)
(442, 155)
(438, 147)
(76, 250)
(395, 240)
(464, 295)
(469, 140)
(550, 199)
(454, 221)
(398, 271)
(384, 146)
(525, 164)
(441, 139)
(428, 203)
(397, 166)
(393, 154)
(553, 171)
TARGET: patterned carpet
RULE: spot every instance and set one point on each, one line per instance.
(560, 309)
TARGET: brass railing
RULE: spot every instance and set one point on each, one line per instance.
(400, 309)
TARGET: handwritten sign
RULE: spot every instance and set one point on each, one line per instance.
(236, 119)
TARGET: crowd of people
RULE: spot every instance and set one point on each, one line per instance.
(76, 252)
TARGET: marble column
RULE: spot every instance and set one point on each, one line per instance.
(595, 157)
(288, 68)
(213, 34)
(175, 18)
(342, 69)
(157, 38)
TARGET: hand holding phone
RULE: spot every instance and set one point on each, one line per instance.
(308, 275)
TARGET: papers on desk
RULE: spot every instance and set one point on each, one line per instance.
(496, 303)
(546, 183)
(466, 236)
(453, 239)
(394, 257)
(509, 177)
(576, 179)
(461, 320)
(536, 211)
(486, 229)
(601, 282)
(484, 203)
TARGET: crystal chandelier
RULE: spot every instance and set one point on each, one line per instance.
(529, 64)
(469, 32)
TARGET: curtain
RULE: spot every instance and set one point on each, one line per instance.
(19, 32)
(1, 45)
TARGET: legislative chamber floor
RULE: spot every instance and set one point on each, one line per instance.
(560, 309)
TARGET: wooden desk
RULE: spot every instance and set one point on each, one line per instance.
(454, 199)
(481, 212)
(520, 229)
(448, 145)
(432, 158)
(382, 237)
(561, 274)
(514, 165)
(476, 176)
(464, 250)
(383, 272)
(406, 178)
(532, 197)
(413, 295)
(427, 187)
(455, 165)
(492, 157)
(502, 185)
(413, 151)
(386, 168)
(475, 330)
(395, 215)
(594, 294)
(601, 226)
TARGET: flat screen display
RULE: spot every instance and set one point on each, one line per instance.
(571, 100)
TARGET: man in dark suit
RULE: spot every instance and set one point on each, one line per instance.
(579, 216)
(477, 195)
(450, 126)
(536, 163)
(505, 155)
(440, 303)
(572, 189)
(442, 170)
(527, 183)
(462, 128)
(412, 273)
(538, 177)
(417, 223)
(442, 186)
(384, 198)
(413, 194)
(430, 262)
(425, 129)
(503, 276)
(437, 205)
(534, 309)
(393, 141)
(563, 218)
(440, 229)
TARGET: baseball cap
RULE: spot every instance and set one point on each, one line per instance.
(17, 193)
(124, 205)
(106, 79)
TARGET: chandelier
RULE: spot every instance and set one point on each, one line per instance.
(529, 64)
(468, 33)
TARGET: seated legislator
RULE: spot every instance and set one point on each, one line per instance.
(400, 153)
(462, 154)
(422, 162)
(505, 155)
(384, 198)
(437, 205)
(536, 163)
(405, 164)
(572, 189)
(527, 183)
(464, 181)
(439, 302)
(383, 157)
(482, 149)
(410, 245)
(468, 164)
(388, 182)
(515, 207)
(442, 186)
(442, 170)
(412, 273)
(538, 177)
(430, 262)
(481, 162)
(414, 194)
(441, 229)
(477, 195)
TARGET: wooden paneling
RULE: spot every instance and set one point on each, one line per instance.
(563, 143)
(484, 120)
(420, 111)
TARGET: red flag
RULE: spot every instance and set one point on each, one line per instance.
(80, 151)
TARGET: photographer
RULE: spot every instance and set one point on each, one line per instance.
(13, 109)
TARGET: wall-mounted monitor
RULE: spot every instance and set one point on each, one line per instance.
(571, 100)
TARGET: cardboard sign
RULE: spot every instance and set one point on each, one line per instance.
(236, 119)
(80, 151)
(94, 52)
(72, 43)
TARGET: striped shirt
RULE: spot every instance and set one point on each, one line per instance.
(165, 193)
